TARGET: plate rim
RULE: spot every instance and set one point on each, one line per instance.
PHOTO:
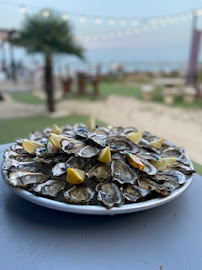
(96, 209)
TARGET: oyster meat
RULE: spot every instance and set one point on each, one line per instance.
(79, 194)
(109, 194)
(50, 188)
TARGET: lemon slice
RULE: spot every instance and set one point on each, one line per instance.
(135, 161)
(30, 146)
(105, 155)
(75, 176)
(157, 143)
(56, 139)
(56, 129)
(91, 123)
(135, 137)
(164, 163)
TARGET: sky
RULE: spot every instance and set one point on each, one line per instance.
(170, 42)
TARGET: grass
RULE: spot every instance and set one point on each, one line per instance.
(27, 97)
(158, 97)
(21, 127)
(197, 167)
(109, 88)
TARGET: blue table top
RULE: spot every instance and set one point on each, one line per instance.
(168, 237)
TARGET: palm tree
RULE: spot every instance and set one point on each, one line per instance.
(47, 35)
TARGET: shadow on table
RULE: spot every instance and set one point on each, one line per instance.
(29, 213)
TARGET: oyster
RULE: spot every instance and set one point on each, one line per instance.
(47, 131)
(185, 169)
(99, 140)
(73, 162)
(148, 155)
(81, 130)
(121, 144)
(150, 148)
(60, 168)
(109, 194)
(178, 153)
(132, 193)
(13, 165)
(168, 175)
(79, 194)
(100, 171)
(149, 168)
(128, 130)
(18, 149)
(122, 173)
(9, 154)
(150, 186)
(101, 131)
(35, 136)
(23, 178)
(70, 146)
(50, 188)
(19, 141)
(88, 151)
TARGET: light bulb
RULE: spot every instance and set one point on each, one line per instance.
(123, 22)
(82, 19)
(22, 9)
(46, 13)
(65, 17)
(134, 22)
(111, 21)
(98, 20)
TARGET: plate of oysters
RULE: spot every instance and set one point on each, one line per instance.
(91, 169)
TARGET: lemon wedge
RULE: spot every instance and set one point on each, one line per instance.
(135, 137)
(30, 146)
(135, 161)
(157, 143)
(56, 139)
(75, 176)
(164, 163)
(91, 123)
(105, 155)
(56, 129)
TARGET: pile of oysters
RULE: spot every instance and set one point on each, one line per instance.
(96, 165)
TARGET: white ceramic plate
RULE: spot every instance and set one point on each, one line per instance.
(97, 210)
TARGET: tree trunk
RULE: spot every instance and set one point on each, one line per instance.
(49, 83)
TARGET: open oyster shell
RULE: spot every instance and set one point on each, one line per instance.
(109, 194)
(122, 173)
(50, 188)
(24, 179)
(79, 194)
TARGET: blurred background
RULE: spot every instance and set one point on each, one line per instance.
(125, 63)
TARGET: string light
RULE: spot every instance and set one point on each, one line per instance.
(134, 22)
(98, 20)
(111, 21)
(82, 19)
(123, 22)
(46, 13)
(144, 23)
(65, 17)
(22, 9)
